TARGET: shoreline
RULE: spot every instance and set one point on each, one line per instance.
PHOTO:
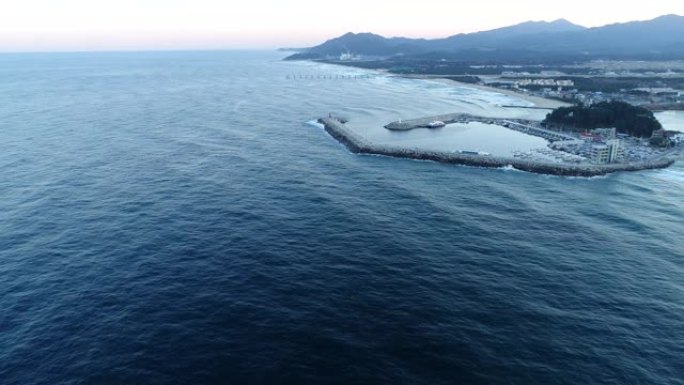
(358, 145)
(356, 142)
(538, 102)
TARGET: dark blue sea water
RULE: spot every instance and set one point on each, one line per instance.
(169, 218)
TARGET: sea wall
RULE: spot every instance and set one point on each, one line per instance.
(406, 125)
(359, 145)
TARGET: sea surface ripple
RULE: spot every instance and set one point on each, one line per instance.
(170, 218)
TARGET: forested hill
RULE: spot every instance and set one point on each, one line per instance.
(660, 38)
(626, 118)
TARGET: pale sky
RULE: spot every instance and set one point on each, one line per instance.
(65, 25)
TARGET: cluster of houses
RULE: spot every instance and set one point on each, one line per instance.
(544, 82)
(605, 145)
(565, 89)
(602, 146)
(674, 137)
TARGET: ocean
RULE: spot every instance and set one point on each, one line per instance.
(174, 218)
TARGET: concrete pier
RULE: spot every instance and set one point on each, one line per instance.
(406, 125)
(522, 125)
(359, 145)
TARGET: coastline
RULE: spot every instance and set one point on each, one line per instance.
(536, 100)
(355, 136)
(443, 79)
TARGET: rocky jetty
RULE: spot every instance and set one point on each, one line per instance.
(359, 145)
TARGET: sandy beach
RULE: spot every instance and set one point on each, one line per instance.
(537, 101)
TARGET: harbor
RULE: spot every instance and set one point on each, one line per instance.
(357, 144)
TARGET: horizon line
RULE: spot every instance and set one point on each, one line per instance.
(140, 50)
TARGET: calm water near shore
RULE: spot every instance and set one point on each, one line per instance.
(170, 218)
(493, 139)
(672, 120)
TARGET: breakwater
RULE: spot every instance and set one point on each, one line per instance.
(359, 145)
(406, 125)
(528, 107)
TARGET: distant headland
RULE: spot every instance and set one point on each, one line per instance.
(531, 42)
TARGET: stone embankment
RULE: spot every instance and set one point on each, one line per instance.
(530, 127)
(359, 145)
(406, 125)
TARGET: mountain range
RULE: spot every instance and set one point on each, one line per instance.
(657, 39)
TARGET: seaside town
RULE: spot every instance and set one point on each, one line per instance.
(657, 96)
(602, 110)
(578, 143)
(600, 146)
(603, 146)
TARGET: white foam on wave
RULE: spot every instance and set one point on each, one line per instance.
(510, 168)
(314, 123)
(672, 175)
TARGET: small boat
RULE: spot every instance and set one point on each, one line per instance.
(436, 124)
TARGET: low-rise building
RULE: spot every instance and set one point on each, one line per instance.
(606, 133)
(659, 134)
(678, 139)
(590, 137)
(567, 145)
(545, 82)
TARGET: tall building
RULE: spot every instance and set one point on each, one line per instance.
(611, 152)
